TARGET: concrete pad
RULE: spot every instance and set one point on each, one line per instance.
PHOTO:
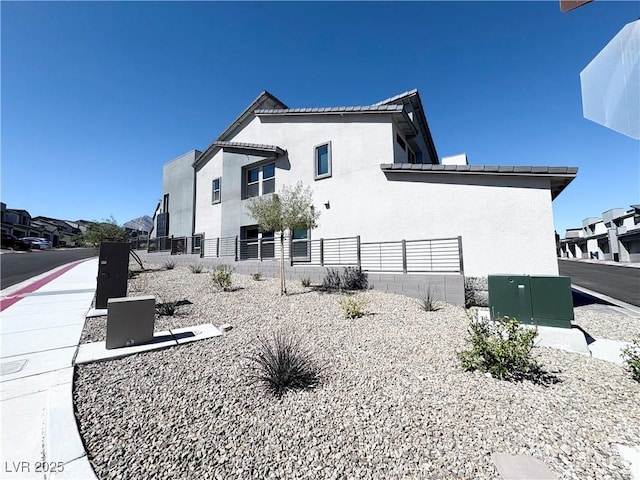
(78, 468)
(45, 306)
(97, 312)
(97, 351)
(40, 362)
(192, 334)
(521, 467)
(609, 350)
(631, 455)
(22, 343)
(568, 339)
(63, 442)
(22, 435)
(35, 383)
(34, 321)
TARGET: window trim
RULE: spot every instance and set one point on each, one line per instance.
(213, 191)
(318, 176)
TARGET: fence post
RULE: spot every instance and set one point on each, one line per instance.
(404, 256)
(359, 255)
(460, 255)
(236, 248)
(260, 249)
(201, 246)
(322, 252)
(217, 246)
(291, 249)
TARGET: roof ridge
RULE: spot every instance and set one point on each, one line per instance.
(397, 97)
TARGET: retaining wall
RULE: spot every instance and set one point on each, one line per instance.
(444, 287)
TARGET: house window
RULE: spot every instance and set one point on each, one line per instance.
(322, 155)
(260, 180)
(300, 246)
(401, 142)
(215, 191)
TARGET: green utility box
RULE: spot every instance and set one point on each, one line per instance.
(534, 300)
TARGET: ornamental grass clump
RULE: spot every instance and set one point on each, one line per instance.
(501, 348)
(166, 309)
(427, 303)
(221, 277)
(195, 268)
(169, 265)
(631, 356)
(256, 276)
(352, 278)
(284, 363)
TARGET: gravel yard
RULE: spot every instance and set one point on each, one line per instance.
(393, 401)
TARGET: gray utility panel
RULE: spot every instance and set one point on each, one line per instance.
(130, 321)
(113, 269)
(535, 300)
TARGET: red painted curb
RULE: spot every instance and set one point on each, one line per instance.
(15, 297)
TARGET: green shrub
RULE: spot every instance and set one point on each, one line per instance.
(631, 356)
(196, 268)
(256, 276)
(352, 278)
(306, 282)
(284, 363)
(169, 265)
(427, 303)
(352, 307)
(221, 277)
(501, 348)
(476, 292)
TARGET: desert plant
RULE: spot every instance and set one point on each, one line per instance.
(427, 303)
(631, 356)
(352, 307)
(195, 268)
(331, 280)
(256, 276)
(476, 292)
(166, 309)
(353, 278)
(169, 264)
(305, 281)
(501, 348)
(284, 363)
(221, 277)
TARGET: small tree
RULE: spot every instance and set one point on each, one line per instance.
(290, 210)
(105, 231)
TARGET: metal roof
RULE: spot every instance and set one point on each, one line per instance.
(354, 109)
(242, 146)
(560, 176)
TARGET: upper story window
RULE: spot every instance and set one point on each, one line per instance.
(260, 180)
(215, 191)
(322, 160)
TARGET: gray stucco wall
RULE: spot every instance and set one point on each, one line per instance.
(178, 180)
(447, 288)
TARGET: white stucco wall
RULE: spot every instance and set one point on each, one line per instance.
(178, 183)
(506, 223)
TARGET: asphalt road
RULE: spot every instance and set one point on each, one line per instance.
(18, 267)
(621, 283)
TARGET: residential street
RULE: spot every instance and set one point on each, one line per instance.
(17, 267)
(621, 283)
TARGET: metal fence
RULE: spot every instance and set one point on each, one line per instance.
(176, 245)
(406, 256)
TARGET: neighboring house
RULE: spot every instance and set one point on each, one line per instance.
(614, 236)
(375, 173)
(16, 222)
(174, 216)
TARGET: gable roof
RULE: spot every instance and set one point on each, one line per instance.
(560, 177)
(239, 147)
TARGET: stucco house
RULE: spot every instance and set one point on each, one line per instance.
(376, 175)
(613, 236)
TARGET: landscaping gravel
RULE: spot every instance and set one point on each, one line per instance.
(393, 401)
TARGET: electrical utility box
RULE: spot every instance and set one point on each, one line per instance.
(534, 300)
(130, 321)
(113, 270)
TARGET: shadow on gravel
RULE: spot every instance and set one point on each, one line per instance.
(581, 299)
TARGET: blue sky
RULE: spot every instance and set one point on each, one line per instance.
(96, 96)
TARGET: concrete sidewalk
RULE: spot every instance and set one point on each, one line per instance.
(42, 320)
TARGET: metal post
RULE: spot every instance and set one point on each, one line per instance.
(322, 252)
(404, 256)
(236, 248)
(358, 249)
(217, 246)
(460, 255)
(201, 246)
(291, 249)
(260, 249)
